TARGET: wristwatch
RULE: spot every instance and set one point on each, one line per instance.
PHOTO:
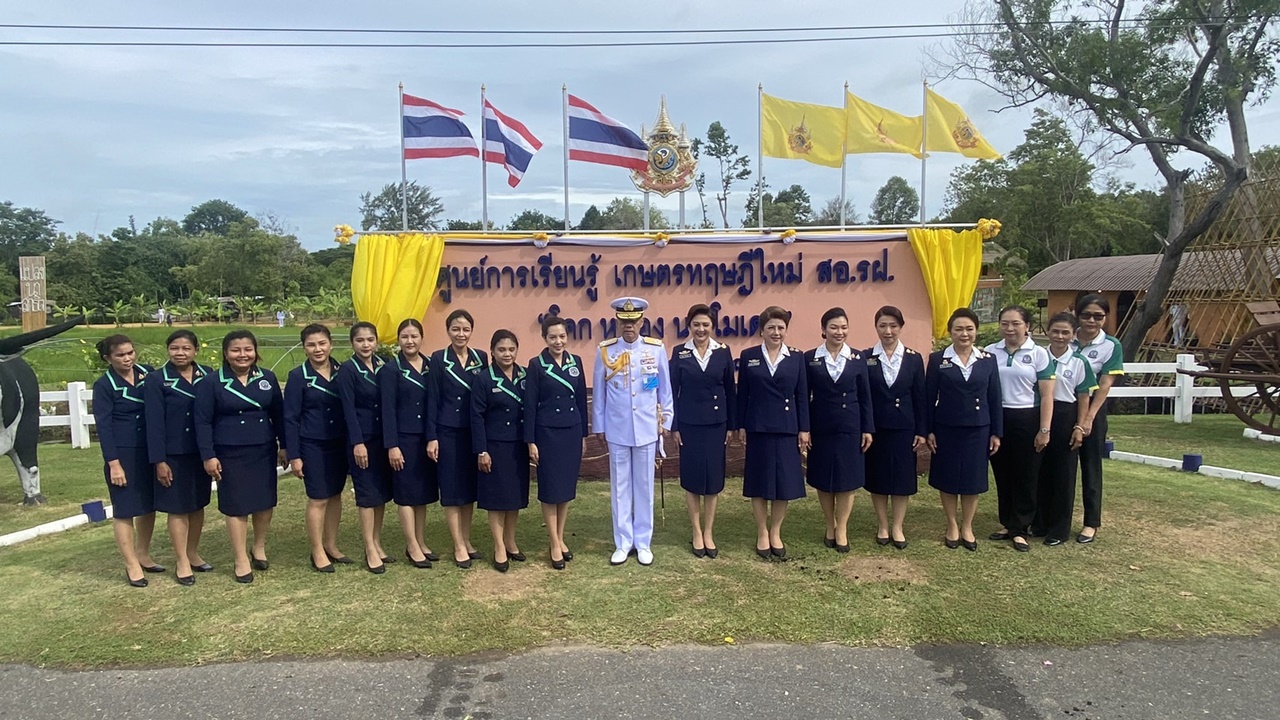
(1044, 431)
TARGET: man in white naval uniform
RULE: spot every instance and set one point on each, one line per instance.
(631, 406)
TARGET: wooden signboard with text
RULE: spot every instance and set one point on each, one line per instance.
(31, 282)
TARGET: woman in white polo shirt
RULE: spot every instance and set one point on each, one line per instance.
(1026, 389)
(1071, 387)
(1106, 357)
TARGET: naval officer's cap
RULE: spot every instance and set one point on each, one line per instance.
(629, 308)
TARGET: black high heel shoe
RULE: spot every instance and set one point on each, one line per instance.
(344, 560)
(375, 570)
(323, 569)
(140, 582)
(713, 552)
(900, 544)
(970, 545)
(422, 564)
(951, 544)
(503, 566)
(829, 542)
(568, 555)
(153, 568)
(557, 564)
(431, 556)
(766, 553)
(388, 560)
(883, 540)
(517, 556)
(778, 552)
(257, 564)
(245, 578)
(842, 548)
(205, 567)
(463, 564)
(186, 580)
(698, 552)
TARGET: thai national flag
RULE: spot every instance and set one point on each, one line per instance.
(434, 131)
(598, 138)
(508, 142)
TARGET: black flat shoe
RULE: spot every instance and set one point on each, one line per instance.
(502, 566)
(842, 548)
(900, 544)
(517, 556)
(153, 568)
(473, 555)
(245, 578)
(344, 560)
(766, 553)
(187, 580)
(970, 545)
(257, 564)
(463, 564)
(951, 544)
(324, 569)
(388, 560)
(1021, 545)
(713, 553)
(883, 540)
(205, 567)
(699, 552)
(1085, 539)
(1052, 541)
(422, 564)
(140, 582)
(829, 542)
(999, 535)
(778, 552)
(375, 570)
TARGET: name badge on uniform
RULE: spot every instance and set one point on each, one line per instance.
(496, 390)
(753, 362)
(945, 364)
(649, 365)
(872, 361)
(685, 354)
(816, 362)
(264, 384)
(651, 382)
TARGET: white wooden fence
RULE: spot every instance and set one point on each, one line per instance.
(1183, 392)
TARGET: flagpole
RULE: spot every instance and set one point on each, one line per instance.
(844, 158)
(564, 101)
(484, 169)
(404, 176)
(759, 155)
(924, 143)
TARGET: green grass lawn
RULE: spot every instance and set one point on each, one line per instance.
(1219, 438)
(1180, 555)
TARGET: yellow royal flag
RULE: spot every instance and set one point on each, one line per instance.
(801, 131)
(949, 130)
(873, 129)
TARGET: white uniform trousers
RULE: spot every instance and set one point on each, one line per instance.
(631, 478)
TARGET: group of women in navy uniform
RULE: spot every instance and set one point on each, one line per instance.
(463, 427)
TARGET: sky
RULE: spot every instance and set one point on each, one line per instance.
(93, 135)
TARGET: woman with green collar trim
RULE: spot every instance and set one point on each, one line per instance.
(502, 458)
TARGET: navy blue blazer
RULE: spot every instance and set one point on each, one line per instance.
(312, 408)
(555, 396)
(703, 397)
(776, 403)
(497, 407)
(900, 407)
(361, 400)
(452, 378)
(843, 405)
(406, 395)
(118, 413)
(228, 413)
(952, 400)
(170, 409)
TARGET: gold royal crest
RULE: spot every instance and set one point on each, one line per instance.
(965, 134)
(799, 139)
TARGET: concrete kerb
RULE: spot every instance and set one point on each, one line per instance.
(1270, 481)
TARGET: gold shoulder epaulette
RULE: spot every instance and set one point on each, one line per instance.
(653, 341)
(607, 343)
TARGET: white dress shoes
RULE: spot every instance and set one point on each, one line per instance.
(620, 556)
(645, 556)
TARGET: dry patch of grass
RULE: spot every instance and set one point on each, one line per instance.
(866, 569)
(493, 588)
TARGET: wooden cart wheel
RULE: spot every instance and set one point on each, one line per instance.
(1253, 362)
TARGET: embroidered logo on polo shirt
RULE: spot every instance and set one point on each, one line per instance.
(1026, 359)
(1093, 354)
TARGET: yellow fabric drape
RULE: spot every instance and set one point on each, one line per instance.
(394, 277)
(950, 262)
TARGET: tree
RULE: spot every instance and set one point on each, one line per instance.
(829, 215)
(626, 214)
(23, 231)
(788, 209)
(1161, 78)
(700, 181)
(384, 211)
(213, 217)
(591, 220)
(535, 221)
(895, 203)
(732, 166)
(468, 226)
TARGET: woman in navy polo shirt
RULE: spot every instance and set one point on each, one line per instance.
(183, 488)
(502, 458)
(313, 433)
(555, 428)
(1026, 388)
(122, 432)
(451, 417)
(406, 427)
(366, 456)
(773, 420)
(240, 432)
(896, 375)
(840, 418)
(963, 418)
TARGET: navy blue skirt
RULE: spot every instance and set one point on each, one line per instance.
(559, 461)
(960, 465)
(836, 464)
(506, 486)
(249, 478)
(137, 496)
(191, 487)
(416, 483)
(891, 463)
(372, 484)
(772, 469)
(456, 467)
(702, 466)
(324, 467)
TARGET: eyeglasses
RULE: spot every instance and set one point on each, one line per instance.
(1093, 316)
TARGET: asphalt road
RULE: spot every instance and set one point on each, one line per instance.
(1224, 679)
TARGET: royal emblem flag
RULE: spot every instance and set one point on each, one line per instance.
(597, 138)
(434, 131)
(949, 130)
(801, 131)
(873, 129)
(508, 142)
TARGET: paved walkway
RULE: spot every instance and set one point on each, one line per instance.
(1226, 679)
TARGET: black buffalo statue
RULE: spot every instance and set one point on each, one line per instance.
(20, 407)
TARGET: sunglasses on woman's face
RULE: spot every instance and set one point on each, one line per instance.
(1093, 316)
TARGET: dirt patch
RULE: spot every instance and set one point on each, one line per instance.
(861, 569)
(1234, 540)
(489, 587)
